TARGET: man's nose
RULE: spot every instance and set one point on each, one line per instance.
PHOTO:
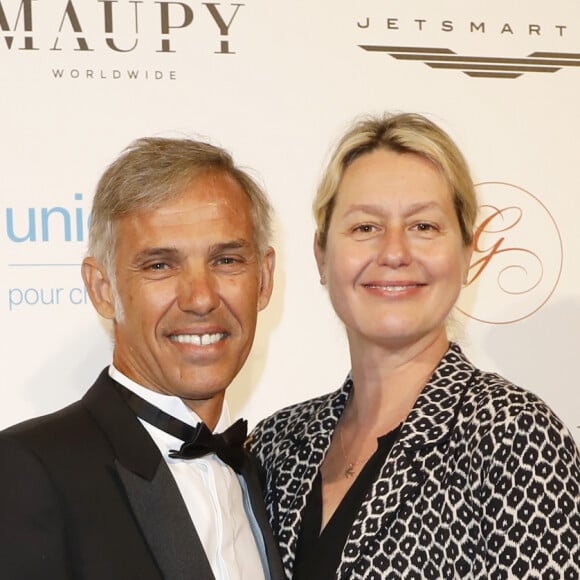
(197, 291)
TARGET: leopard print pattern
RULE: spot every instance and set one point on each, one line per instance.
(483, 482)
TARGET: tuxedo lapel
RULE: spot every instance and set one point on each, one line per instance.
(249, 471)
(149, 486)
(165, 522)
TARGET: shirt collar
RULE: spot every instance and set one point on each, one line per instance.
(170, 404)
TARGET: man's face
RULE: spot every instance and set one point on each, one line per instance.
(190, 284)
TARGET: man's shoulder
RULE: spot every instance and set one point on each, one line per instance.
(44, 425)
(68, 424)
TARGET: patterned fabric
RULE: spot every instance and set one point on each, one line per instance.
(483, 482)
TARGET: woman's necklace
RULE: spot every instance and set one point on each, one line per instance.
(350, 465)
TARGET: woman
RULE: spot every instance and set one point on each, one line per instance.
(420, 465)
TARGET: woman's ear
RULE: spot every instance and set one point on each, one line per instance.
(467, 253)
(320, 255)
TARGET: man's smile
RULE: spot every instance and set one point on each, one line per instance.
(198, 339)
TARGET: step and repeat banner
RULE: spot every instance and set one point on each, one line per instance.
(276, 83)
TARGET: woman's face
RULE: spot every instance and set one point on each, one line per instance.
(394, 261)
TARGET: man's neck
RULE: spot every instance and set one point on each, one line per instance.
(214, 413)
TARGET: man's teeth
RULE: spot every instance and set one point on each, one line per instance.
(198, 339)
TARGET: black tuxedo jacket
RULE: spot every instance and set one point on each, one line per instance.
(85, 494)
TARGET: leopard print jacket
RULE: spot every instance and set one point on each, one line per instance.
(483, 482)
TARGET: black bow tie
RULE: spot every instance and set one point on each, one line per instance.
(198, 440)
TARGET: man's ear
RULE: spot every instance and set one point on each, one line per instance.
(266, 278)
(99, 287)
(320, 255)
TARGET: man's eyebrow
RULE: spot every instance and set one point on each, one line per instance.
(166, 253)
(238, 244)
(156, 252)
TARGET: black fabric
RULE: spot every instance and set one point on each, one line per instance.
(318, 555)
(65, 511)
(86, 495)
(198, 440)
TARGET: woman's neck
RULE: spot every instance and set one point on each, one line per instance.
(388, 381)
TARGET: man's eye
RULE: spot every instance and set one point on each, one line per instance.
(157, 266)
(227, 260)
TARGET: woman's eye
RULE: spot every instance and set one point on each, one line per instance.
(364, 228)
(425, 227)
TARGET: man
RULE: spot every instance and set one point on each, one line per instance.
(103, 490)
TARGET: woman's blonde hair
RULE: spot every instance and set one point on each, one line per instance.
(403, 133)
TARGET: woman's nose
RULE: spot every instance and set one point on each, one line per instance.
(394, 250)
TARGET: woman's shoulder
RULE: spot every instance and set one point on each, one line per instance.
(301, 411)
(493, 391)
(494, 408)
(489, 396)
(292, 422)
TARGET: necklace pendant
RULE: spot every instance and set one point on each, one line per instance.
(349, 471)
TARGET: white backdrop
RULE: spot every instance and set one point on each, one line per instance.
(276, 83)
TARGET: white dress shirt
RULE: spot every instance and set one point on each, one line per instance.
(215, 496)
